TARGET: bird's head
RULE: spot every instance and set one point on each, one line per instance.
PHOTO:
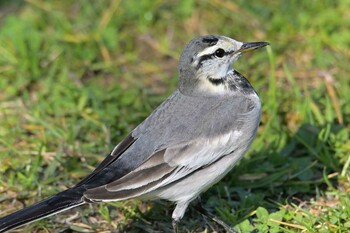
(206, 62)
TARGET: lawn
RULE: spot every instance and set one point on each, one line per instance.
(77, 76)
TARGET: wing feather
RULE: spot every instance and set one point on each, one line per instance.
(163, 168)
(118, 150)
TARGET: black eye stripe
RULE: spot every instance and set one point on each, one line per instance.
(210, 56)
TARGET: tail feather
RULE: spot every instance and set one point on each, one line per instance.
(52, 205)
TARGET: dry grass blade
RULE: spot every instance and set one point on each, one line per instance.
(289, 224)
(328, 79)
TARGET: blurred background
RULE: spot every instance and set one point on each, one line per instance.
(77, 76)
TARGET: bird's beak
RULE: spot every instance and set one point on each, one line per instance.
(248, 46)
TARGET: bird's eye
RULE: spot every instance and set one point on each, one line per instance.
(220, 53)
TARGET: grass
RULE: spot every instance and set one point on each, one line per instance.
(77, 76)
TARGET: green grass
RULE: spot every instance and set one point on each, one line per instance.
(77, 76)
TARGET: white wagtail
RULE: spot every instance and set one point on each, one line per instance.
(185, 146)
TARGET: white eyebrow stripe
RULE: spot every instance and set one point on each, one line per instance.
(210, 50)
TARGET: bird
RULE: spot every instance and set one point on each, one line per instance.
(186, 145)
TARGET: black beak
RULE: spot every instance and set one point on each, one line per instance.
(248, 46)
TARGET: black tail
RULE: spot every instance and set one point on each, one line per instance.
(52, 205)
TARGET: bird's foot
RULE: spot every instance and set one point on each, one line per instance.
(199, 207)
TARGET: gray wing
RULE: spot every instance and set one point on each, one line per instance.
(164, 167)
(181, 136)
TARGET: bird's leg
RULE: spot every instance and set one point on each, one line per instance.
(199, 207)
(178, 213)
(175, 226)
